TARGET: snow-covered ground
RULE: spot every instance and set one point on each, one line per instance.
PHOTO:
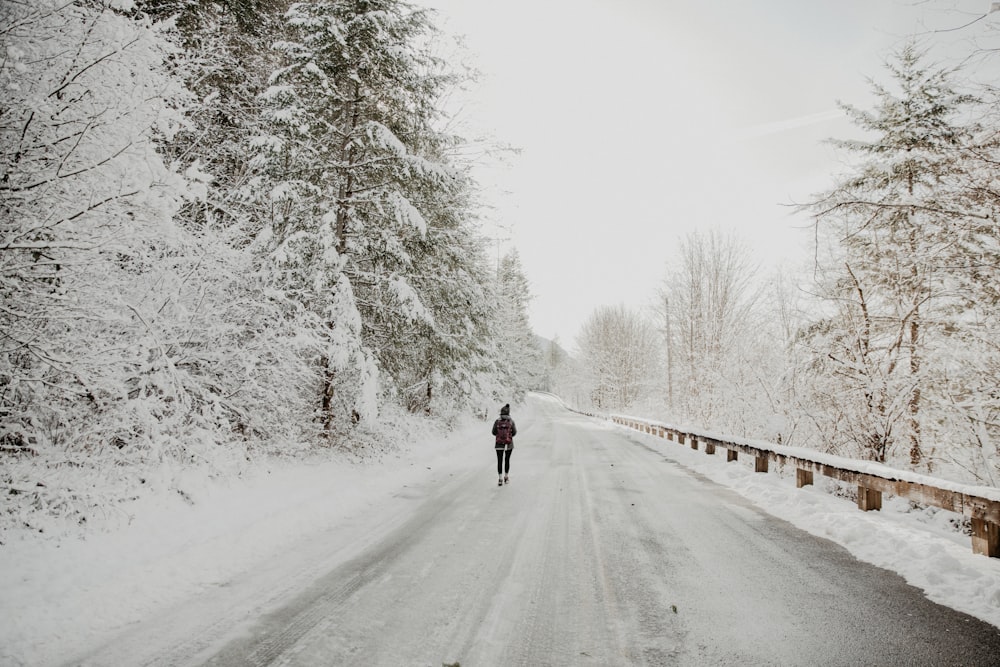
(62, 596)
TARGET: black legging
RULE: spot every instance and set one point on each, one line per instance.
(503, 460)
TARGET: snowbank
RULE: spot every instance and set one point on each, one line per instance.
(63, 596)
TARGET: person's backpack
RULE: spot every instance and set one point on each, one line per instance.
(504, 436)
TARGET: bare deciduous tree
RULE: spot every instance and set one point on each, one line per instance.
(620, 351)
(712, 332)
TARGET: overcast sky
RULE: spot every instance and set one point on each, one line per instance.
(642, 120)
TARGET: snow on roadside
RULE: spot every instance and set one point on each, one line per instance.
(63, 596)
(922, 546)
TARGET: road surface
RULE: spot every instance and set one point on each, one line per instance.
(601, 551)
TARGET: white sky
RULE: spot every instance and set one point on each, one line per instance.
(642, 120)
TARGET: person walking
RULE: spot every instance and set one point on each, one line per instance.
(504, 429)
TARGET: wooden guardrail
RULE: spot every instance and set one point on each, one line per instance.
(980, 504)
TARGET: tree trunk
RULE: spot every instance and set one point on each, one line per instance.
(347, 154)
(914, 404)
(916, 454)
(326, 403)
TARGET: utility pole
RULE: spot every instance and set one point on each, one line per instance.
(670, 361)
(499, 240)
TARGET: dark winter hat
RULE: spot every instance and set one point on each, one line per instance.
(505, 410)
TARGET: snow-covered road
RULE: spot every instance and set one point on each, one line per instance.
(601, 551)
(607, 549)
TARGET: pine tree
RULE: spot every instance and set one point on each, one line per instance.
(249, 369)
(439, 360)
(360, 186)
(518, 353)
(891, 228)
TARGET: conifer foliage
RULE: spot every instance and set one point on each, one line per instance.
(518, 353)
(361, 191)
(898, 342)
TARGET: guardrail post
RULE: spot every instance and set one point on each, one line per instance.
(803, 478)
(680, 438)
(760, 465)
(985, 538)
(694, 443)
(709, 447)
(732, 455)
(869, 499)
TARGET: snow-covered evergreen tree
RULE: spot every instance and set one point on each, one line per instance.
(440, 362)
(519, 357)
(252, 367)
(891, 357)
(368, 228)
